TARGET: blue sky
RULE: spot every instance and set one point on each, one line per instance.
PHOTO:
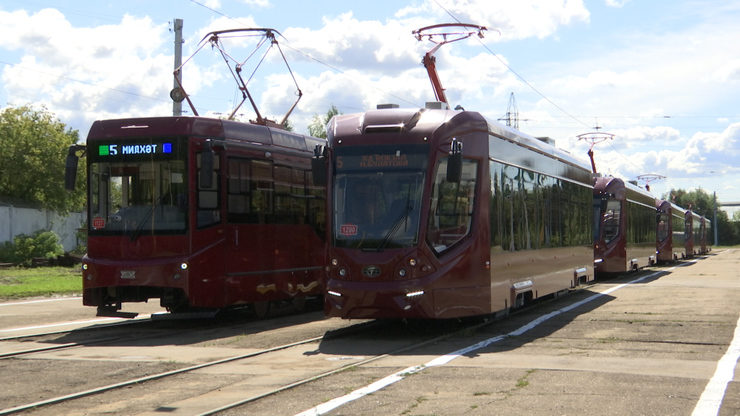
(662, 76)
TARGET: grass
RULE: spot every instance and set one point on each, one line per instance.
(19, 282)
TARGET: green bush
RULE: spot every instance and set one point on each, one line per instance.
(24, 248)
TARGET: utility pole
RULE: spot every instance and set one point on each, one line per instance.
(177, 27)
(715, 225)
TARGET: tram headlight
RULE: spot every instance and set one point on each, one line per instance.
(402, 272)
(183, 266)
(334, 262)
(412, 262)
(343, 272)
(85, 266)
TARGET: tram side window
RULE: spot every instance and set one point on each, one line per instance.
(521, 213)
(209, 212)
(260, 192)
(238, 190)
(316, 206)
(452, 206)
(290, 195)
(663, 228)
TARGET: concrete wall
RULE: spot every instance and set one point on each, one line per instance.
(22, 220)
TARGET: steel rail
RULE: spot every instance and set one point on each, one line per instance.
(110, 387)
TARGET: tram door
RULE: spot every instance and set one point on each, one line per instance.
(250, 239)
(208, 237)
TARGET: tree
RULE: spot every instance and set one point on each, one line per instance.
(317, 128)
(702, 203)
(34, 147)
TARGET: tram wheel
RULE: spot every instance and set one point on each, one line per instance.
(261, 308)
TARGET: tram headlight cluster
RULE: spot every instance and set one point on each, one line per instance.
(341, 271)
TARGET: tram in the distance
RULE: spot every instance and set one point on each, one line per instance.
(200, 213)
(625, 237)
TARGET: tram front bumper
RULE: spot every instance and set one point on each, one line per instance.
(357, 300)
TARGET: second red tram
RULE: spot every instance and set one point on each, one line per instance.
(705, 232)
(625, 235)
(441, 214)
(696, 234)
(200, 213)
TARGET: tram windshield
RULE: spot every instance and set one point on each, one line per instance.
(377, 196)
(137, 194)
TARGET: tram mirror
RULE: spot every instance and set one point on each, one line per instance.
(70, 169)
(454, 168)
(318, 168)
(206, 168)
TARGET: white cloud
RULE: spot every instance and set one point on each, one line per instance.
(616, 3)
(347, 42)
(515, 20)
(86, 73)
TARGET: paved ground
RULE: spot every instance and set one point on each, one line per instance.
(29, 316)
(648, 348)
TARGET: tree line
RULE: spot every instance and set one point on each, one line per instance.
(703, 203)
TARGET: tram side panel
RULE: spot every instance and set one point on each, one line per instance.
(641, 229)
(540, 229)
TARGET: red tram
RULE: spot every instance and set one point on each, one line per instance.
(704, 244)
(625, 236)
(440, 214)
(671, 231)
(696, 234)
(200, 213)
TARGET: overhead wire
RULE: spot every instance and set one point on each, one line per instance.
(335, 69)
(533, 88)
(287, 44)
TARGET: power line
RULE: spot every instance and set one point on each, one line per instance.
(521, 78)
(286, 43)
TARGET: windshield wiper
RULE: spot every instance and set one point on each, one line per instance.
(140, 226)
(404, 215)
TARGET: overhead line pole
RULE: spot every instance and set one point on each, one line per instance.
(177, 27)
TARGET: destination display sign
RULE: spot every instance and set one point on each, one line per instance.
(128, 149)
(134, 149)
(395, 157)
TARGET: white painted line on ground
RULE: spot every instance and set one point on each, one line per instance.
(442, 360)
(70, 323)
(711, 399)
(28, 302)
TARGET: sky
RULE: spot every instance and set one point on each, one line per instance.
(661, 76)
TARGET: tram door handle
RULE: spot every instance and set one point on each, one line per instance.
(236, 237)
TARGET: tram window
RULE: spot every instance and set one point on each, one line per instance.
(452, 206)
(611, 219)
(261, 191)
(208, 197)
(238, 189)
(663, 228)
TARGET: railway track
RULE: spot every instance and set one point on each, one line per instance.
(217, 385)
(163, 382)
(81, 332)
